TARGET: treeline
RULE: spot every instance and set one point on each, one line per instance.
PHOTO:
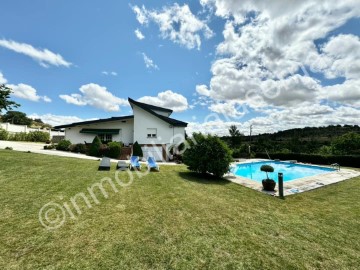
(330, 140)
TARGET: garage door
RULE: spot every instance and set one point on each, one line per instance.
(152, 151)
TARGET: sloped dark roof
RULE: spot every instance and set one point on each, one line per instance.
(119, 118)
(150, 108)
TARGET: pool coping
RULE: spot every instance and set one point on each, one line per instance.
(295, 186)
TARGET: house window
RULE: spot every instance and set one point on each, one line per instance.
(105, 138)
(151, 132)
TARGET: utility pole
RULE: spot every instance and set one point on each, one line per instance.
(250, 132)
(250, 141)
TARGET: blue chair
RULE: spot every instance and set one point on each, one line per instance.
(151, 164)
(134, 163)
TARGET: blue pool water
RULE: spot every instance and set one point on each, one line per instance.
(290, 171)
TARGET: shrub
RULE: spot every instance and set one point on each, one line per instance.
(63, 145)
(267, 169)
(4, 135)
(103, 150)
(241, 152)
(20, 136)
(8, 148)
(95, 147)
(78, 148)
(114, 149)
(137, 151)
(325, 150)
(38, 136)
(49, 146)
(207, 154)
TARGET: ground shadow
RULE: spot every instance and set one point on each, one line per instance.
(203, 178)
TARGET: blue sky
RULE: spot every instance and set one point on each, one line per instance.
(216, 63)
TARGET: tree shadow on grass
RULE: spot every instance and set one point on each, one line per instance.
(203, 178)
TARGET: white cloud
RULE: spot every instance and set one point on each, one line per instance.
(3, 80)
(44, 57)
(27, 92)
(56, 120)
(231, 108)
(46, 99)
(202, 90)
(339, 57)
(345, 93)
(313, 115)
(266, 50)
(138, 34)
(97, 96)
(176, 23)
(149, 63)
(108, 73)
(167, 99)
(141, 14)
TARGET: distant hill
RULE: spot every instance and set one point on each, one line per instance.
(298, 140)
(307, 133)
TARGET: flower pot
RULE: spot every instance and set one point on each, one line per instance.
(268, 184)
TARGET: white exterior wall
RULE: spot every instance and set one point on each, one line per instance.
(23, 128)
(144, 120)
(125, 135)
(162, 113)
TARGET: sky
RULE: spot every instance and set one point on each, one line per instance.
(270, 65)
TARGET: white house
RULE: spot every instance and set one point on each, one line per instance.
(149, 125)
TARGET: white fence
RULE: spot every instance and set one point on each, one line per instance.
(23, 128)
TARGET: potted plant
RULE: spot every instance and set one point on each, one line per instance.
(268, 184)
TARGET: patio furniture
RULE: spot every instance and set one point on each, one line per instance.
(151, 164)
(134, 163)
(122, 166)
(104, 164)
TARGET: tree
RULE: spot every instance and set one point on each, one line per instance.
(137, 151)
(346, 144)
(5, 103)
(17, 118)
(95, 147)
(235, 136)
(207, 154)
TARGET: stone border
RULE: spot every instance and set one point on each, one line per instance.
(298, 185)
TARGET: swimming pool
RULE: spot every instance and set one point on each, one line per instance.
(290, 171)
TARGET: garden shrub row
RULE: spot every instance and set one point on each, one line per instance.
(33, 136)
(342, 160)
(96, 149)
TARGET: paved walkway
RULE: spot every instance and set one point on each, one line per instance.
(39, 149)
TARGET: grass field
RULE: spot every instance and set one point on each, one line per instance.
(170, 220)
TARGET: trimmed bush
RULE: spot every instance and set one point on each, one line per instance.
(137, 151)
(63, 145)
(49, 146)
(78, 148)
(104, 151)
(114, 149)
(95, 147)
(38, 136)
(349, 160)
(267, 169)
(4, 135)
(207, 154)
(20, 136)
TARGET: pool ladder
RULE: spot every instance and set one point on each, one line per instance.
(335, 166)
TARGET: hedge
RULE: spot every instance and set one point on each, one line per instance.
(344, 160)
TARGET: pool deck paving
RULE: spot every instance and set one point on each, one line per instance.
(298, 185)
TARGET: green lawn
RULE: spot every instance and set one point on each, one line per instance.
(170, 220)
